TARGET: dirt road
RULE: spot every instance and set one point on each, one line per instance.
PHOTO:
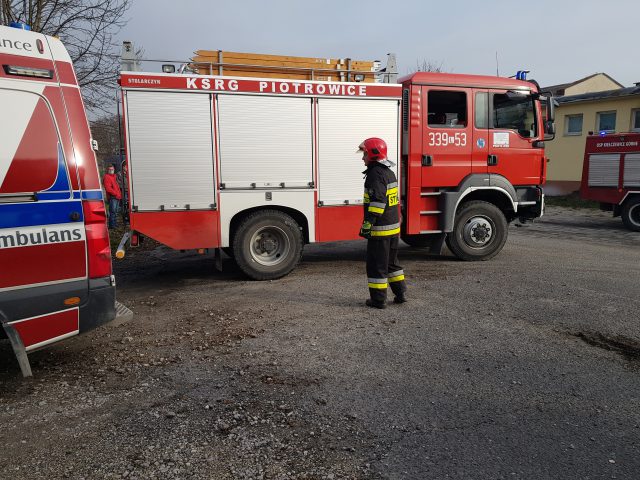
(527, 366)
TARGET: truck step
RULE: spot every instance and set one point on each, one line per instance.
(429, 194)
(122, 312)
(430, 212)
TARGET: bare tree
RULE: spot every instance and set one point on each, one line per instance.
(428, 66)
(87, 28)
(106, 132)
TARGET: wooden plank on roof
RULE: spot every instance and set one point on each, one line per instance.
(213, 55)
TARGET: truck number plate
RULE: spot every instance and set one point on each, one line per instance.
(444, 139)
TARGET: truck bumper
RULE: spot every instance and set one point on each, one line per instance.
(101, 307)
(33, 332)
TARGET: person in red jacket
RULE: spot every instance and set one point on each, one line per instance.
(114, 194)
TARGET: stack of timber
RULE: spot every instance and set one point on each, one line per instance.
(218, 62)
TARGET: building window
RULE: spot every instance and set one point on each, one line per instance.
(635, 120)
(606, 122)
(573, 125)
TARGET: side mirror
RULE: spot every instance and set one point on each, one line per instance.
(549, 110)
(549, 130)
(550, 127)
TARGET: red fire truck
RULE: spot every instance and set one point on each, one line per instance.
(611, 175)
(55, 262)
(261, 166)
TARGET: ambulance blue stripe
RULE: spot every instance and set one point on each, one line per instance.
(53, 196)
(89, 195)
(17, 215)
(62, 182)
(92, 195)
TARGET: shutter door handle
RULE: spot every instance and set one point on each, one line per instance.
(492, 160)
(427, 160)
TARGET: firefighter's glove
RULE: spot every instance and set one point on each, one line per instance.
(365, 229)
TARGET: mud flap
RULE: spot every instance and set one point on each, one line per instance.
(18, 349)
(217, 254)
(436, 247)
(122, 312)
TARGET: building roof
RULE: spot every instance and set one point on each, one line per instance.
(564, 86)
(604, 95)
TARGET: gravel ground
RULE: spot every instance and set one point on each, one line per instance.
(523, 367)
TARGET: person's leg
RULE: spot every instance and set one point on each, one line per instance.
(113, 212)
(396, 273)
(377, 260)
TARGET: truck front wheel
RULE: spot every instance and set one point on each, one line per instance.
(631, 214)
(267, 245)
(479, 232)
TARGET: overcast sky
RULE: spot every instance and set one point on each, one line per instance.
(559, 41)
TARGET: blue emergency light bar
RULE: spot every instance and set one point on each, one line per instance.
(20, 25)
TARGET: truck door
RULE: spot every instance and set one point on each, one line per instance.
(480, 148)
(447, 139)
(42, 235)
(513, 129)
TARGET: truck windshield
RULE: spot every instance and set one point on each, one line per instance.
(515, 112)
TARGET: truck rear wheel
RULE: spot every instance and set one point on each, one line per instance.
(631, 214)
(267, 245)
(479, 231)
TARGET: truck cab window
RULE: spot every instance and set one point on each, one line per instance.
(447, 109)
(514, 112)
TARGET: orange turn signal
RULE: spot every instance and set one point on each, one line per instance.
(72, 301)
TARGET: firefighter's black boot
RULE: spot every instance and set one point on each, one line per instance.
(401, 298)
(372, 304)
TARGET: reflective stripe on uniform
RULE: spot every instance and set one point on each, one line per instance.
(378, 204)
(385, 230)
(385, 233)
(395, 274)
(366, 197)
(377, 283)
(393, 226)
(392, 185)
(397, 278)
(376, 207)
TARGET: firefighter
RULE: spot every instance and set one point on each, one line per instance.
(381, 225)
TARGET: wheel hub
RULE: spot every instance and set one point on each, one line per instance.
(269, 246)
(478, 231)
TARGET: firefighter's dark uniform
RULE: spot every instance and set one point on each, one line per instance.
(381, 214)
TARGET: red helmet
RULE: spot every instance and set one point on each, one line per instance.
(376, 149)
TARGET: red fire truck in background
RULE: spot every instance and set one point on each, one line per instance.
(611, 175)
(261, 166)
(55, 262)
